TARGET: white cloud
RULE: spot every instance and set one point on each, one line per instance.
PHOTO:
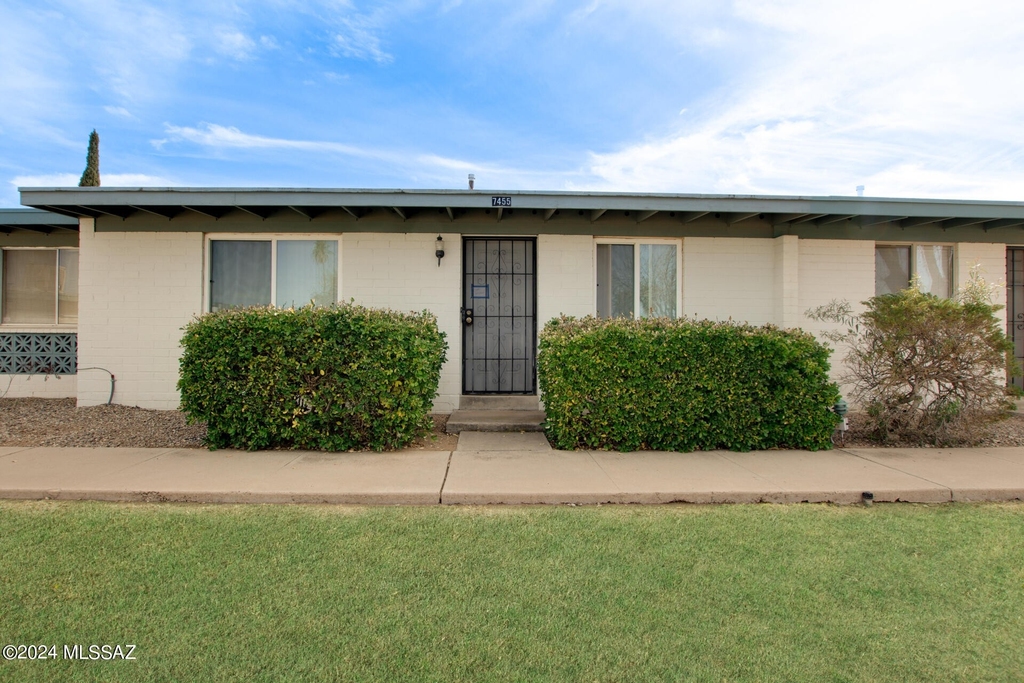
(118, 111)
(881, 93)
(228, 137)
(409, 163)
(136, 180)
(235, 44)
(357, 38)
(111, 34)
(51, 180)
(110, 179)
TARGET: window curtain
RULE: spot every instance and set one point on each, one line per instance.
(658, 280)
(615, 280)
(934, 269)
(239, 274)
(892, 269)
(307, 271)
(67, 287)
(30, 286)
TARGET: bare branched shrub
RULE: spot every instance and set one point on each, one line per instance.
(926, 369)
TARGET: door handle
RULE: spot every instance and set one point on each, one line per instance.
(467, 316)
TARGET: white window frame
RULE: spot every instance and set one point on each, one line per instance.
(55, 325)
(953, 275)
(273, 238)
(636, 242)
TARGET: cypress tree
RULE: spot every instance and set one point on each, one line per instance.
(91, 175)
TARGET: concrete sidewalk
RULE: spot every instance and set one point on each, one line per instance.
(496, 468)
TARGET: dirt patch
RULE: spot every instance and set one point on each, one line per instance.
(57, 422)
(1004, 432)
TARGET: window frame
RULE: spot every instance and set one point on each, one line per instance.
(273, 238)
(636, 242)
(56, 324)
(953, 273)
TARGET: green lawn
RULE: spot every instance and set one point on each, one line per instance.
(729, 593)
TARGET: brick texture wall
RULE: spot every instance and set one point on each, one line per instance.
(38, 386)
(399, 271)
(725, 277)
(565, 276)
(136, 291)
(992, 261)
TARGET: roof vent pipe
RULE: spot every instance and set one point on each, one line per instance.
(860, 190)
(472, 180)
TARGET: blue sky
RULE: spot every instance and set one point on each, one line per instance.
(920, 99)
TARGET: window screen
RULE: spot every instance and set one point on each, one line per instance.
(615, 293)
(658, 280)
(931, 264)
(892, 269)
(239, 274)
(307, 271)
(29, 286)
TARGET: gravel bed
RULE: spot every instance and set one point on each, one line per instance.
(57, 422)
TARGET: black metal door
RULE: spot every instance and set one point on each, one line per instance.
(499, 315)
(1015, 304)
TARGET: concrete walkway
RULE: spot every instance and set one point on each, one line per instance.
(493, 468)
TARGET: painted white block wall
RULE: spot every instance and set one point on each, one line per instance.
(834, 270)
(991, 259)
(565, 277)
(726, 277)
(399, 271)
(136, 291)
(991, 262)
(38, 386)
(787, 281)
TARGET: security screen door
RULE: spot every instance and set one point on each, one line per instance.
(1015, 304)
(499, 319)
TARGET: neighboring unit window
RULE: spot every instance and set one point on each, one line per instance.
(244, 273)
(896, 265)
(637, 280)
(39, 287)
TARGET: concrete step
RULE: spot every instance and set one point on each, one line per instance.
(495, 421)
(512, 443)
(498, 402)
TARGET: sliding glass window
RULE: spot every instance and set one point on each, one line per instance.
(638, 279)
(39, 286)
(897, 264)
(281, 272)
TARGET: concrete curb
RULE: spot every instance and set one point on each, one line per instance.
(222, 497)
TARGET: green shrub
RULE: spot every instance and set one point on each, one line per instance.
(332, 379)
(682, 385)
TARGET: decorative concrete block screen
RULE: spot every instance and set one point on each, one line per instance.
(23, 353)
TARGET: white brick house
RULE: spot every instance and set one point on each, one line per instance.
(138, 264)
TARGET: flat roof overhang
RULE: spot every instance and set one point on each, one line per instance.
(35, 221)
(171, 202)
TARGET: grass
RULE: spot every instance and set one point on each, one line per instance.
(731, 593)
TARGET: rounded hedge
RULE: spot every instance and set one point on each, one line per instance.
(682, 385)
(335, 379)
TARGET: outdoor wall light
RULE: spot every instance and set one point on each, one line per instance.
(439, 251)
